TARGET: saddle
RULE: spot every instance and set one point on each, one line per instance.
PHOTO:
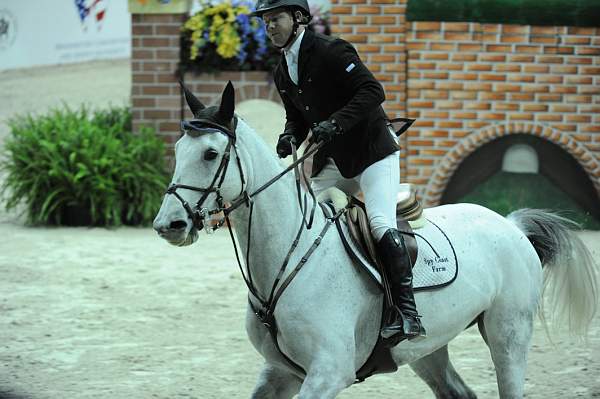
(409, 214)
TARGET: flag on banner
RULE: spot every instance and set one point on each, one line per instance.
(91, 12)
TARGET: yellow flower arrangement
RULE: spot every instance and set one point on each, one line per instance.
(220, 22)
(228, 43)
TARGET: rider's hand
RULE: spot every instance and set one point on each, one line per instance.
(284, 145)
(325, 131)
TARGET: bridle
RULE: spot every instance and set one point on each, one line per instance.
(200, 216)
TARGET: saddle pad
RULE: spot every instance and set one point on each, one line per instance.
(436, 264)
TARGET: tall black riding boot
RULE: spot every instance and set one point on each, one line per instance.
(396, 263)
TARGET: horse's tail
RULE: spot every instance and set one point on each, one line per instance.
(569, 270)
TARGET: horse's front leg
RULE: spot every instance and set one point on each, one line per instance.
(276, 383)
(328, 376)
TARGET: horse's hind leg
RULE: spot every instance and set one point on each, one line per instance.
(437, 371)
(274, 383)
(507, 331)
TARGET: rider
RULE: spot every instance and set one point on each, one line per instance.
(325, 87)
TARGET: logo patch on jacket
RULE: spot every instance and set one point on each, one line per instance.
(350, 67)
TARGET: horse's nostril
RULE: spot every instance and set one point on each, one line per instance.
(178, 225)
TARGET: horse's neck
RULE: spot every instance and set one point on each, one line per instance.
(275, 220)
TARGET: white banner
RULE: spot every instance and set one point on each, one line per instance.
(42, 32)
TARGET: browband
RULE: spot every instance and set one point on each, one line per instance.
(199, 124)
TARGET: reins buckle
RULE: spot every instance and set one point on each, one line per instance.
(204, 215)
(247, 199)
(265, 317)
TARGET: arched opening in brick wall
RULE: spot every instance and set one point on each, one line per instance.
(560, 150)
(208, 87)
(555, 164)
(266, 117)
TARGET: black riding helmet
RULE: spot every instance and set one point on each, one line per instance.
(264, 6)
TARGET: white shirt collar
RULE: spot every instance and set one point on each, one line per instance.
(294, 48)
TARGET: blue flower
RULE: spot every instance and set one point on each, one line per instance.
(260, 37)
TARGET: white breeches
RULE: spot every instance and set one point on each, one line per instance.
(379, 183)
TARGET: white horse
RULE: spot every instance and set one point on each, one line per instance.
(329, 315)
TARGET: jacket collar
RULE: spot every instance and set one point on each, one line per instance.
(305, 52)
(306, 46)
(294, 49)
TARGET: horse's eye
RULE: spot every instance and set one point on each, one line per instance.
(210, 154)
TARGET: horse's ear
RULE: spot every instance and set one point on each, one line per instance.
(192, 101)
(227, 107)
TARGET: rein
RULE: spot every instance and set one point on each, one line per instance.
(247, 198)
(265, 314)
(201, 217)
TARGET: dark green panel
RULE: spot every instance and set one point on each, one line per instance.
(524, 12)
(506, 192)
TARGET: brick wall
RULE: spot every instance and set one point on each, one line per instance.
(466, 83)
(154, 90)
(377, 28)
(469, 83)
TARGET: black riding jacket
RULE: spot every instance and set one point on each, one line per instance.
(334, 84)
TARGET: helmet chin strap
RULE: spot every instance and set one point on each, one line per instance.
(292, 34)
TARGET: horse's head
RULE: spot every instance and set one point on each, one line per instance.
(207, 171)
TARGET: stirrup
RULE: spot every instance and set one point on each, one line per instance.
(389, 332)
(416, 335)
(400, 328)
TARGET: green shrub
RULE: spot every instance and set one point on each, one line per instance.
(78, 167)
